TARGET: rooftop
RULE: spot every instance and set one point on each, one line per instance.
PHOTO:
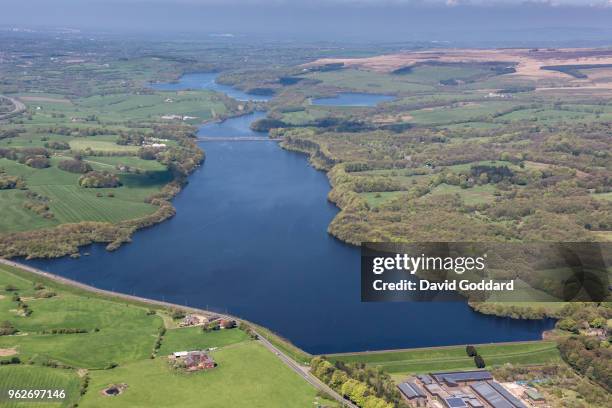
(496, 395)
(533, 394)
(411, 390)
(460, 376)
(455, 402)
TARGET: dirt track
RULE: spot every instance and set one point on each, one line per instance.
(19, 107)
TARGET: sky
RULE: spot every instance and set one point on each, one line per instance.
(499, 21)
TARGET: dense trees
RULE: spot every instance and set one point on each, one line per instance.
(57, 145)
(75, 166)
(7, 328)
(9, 182)
(367, 387)
(589, 357)
(99, 179)
(541, 184)
(479, 361)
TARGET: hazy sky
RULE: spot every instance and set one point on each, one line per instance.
(388, 20)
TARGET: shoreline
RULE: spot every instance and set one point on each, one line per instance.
(270, 344)
(274, 337)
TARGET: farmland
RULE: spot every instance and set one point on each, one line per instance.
(114, 346)
(141, 138)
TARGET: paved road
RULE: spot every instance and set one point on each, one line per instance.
(305, 373)
(302, 371)
(19, 107)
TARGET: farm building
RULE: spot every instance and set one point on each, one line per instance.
(412, 392)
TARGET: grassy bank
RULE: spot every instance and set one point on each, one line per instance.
(421, 360)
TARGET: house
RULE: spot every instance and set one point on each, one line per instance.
(600, 333)
(534, 397)
(199, 360)
(227, 324)
(172, 117)
(189, 320)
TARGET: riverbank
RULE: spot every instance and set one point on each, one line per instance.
(238, 356)
(81, 288)
(391, 357)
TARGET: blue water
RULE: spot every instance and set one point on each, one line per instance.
(250, 238)
(236, 127)
(353, 99)
(207, 80)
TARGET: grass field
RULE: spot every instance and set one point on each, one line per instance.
(368, 81)
(470, 196)
(193, 338)
(70, 203)
(455, 358)
(15, 377)
(603, 196)
(100, 144)
(376, 199)
(464, 112)
(247, 375)
(94, 349)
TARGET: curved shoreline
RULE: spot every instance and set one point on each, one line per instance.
(159, 303)
(281, 353)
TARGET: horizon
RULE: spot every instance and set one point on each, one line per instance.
(504, 23)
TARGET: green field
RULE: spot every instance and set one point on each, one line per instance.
(247, 375)
(94, 349)
(403, 362)
(192, 338)
(41, 378)
(368, 81)
(463, 112)
(123, 333)
(376, 199)
(70, 203)
(470, 196)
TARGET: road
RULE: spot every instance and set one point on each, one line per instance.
(301, 370)
(305, 373)
(19, 107)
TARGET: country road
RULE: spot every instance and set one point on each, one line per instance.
(19, 107)
(305, 373)
(301, 370)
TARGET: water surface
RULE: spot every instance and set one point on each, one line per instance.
(250, 238)
(207, 80)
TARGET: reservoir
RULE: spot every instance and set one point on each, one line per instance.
(207, 80)
(250, 238)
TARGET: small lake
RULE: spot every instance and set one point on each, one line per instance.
(250, 238)
(353, 99)
(207, 80)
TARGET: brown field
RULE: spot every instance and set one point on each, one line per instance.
(43, 99)
(528, 63)
(6, 352)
